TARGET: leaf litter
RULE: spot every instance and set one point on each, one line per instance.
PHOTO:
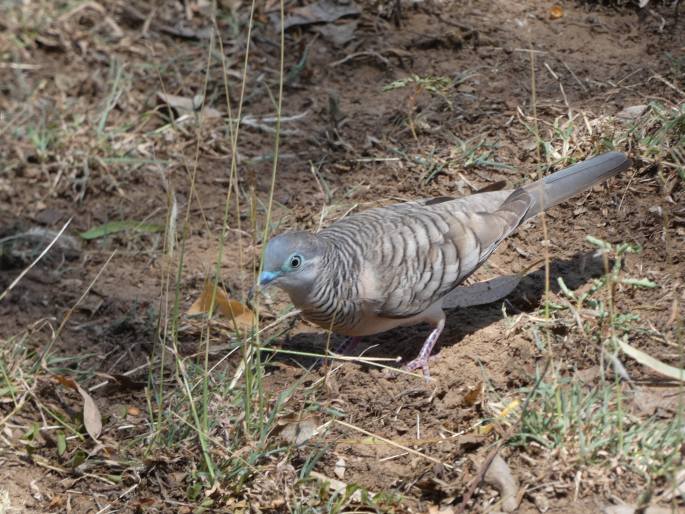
(501, 356)
(92, 419)
(217, 299)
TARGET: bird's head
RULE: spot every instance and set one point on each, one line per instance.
(292, 262)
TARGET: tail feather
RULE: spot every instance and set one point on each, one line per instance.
(563, 184)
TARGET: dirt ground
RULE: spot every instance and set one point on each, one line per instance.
(84, 137)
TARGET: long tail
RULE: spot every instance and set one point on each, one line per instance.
(563, 184)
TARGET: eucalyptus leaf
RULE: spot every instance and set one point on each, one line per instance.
(649, 361)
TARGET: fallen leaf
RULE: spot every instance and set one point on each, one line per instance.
(339, 468)
(556, 12)
(298, 431)
(651, 362)
(185, 105)
(231, 309)
(632, 112)
(91, 414)
(499, 476)
(56, 502)
(541, 502)
(473, 396)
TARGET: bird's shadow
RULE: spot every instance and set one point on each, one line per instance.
(405, 342)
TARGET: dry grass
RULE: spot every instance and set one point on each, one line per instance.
(195, 418)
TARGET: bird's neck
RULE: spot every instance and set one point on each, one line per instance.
(330, 299)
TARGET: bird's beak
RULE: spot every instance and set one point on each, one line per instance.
(266, 277)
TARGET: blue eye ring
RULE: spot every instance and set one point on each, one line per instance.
(295, 261)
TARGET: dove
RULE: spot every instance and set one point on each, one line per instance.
(396, 265)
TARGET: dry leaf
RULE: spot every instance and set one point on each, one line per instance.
(230, 309)
(91, 414)
(556, 12)
(632, 112)
(499, 476)
(339, 468)
(650, 362)
(299, 431)
(541, 502)
(473, 396)
(184, 105)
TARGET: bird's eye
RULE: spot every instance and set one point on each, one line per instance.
(295, 261)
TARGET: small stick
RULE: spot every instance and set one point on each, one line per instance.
(393, 443)
(475, 482)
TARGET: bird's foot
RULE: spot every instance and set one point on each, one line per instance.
(347, 346)
(422, 360)
(419, 362)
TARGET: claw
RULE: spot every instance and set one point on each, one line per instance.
(422, 360)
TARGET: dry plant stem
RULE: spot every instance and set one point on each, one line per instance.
(249, 353)
(109, 507)
(217, 443)
(166, 283)
(35, 261)
(393, 443)
(205, 382)
(476, 481)
(67, 316)
(533, 99)
(175, 314)
(233, 174)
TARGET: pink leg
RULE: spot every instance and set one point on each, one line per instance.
(422, 360)
(346, 347)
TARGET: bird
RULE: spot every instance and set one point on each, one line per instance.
(396, 265)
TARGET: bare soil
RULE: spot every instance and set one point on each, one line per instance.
(373, 147)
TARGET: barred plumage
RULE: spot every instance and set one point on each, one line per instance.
(392, 266)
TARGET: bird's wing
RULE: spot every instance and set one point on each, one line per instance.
(414, 254)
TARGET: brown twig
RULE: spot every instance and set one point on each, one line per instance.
(480, 475)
